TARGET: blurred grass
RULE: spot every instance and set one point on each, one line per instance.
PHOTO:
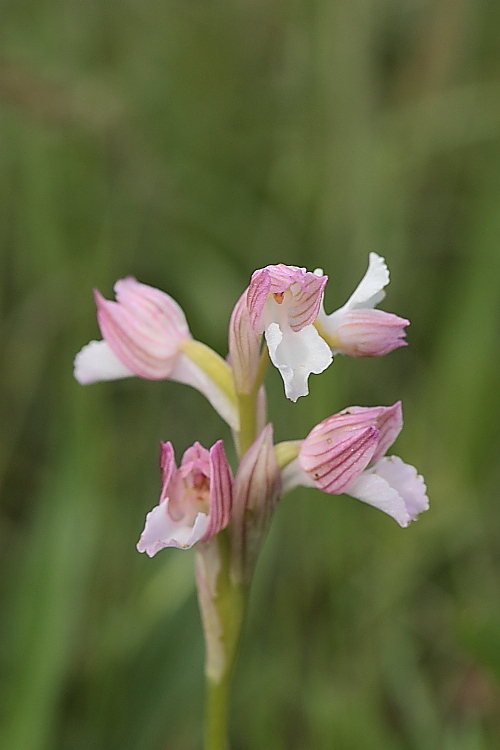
(188, 143)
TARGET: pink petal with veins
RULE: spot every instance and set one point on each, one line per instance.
(305, 292)
(144, 328)
(370, 333)
(335, 460)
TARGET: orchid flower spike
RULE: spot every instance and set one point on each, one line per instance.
(195, 501)
(283, 303)
(356, 328)
(145, 333)
(346, 453)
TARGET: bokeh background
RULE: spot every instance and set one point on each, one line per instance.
(188, 142)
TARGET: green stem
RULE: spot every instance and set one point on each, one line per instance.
(230, 598)
(263, 365)
(230, 602)
(217, 690)
(247, 406)
(216, 714)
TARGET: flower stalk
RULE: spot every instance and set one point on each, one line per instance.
(223, 617)
(224, 608)
(247, 407)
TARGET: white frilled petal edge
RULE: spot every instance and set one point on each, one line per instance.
(161, 531)
(390, 485)
(394, 488)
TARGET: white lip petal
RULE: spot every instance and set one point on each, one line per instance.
(375, 490)
(408, 483)
(197, 531)
(161, 531)
(297, 354)
(96, 362)
(393, 487)
(157, 530)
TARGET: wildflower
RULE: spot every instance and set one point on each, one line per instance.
(143, 329)
(346, 453)
(356, 328)
(283, 303)
(145, 333)
(195, 501)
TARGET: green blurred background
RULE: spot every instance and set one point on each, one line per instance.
(188, 142)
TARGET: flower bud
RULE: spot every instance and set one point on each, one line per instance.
(257, 488)
(244, 347)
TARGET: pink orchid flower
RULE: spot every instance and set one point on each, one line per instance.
(145, 333)
(198, 499)
(345, 453)
(283, 303)
(356, 328)
(142, 332)
(195, 501)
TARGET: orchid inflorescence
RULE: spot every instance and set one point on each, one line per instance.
(145, 333)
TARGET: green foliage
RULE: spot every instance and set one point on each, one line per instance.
(188, 143)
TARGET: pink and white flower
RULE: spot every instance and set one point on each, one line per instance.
(345, 453)
(356, 328)
(142, 332)
(195, 501)
(145, 333)
(283, 303)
